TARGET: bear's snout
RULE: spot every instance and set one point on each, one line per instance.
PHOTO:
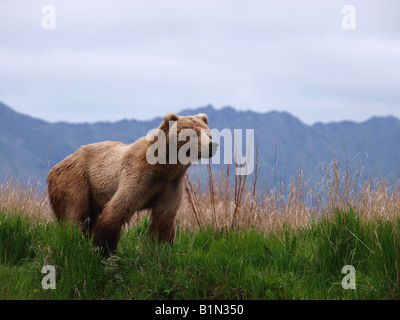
(213, 148)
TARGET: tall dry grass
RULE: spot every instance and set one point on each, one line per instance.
(24, 199)
(223, 200)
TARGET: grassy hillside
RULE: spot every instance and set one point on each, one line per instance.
(291, 264)
(232, 242)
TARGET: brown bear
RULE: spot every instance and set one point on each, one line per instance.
(102, 185)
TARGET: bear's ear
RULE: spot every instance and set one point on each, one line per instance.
(171, 117)
(203, 117)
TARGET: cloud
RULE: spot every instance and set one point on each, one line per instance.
(109, 60)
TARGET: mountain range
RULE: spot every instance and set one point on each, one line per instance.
(29, 147)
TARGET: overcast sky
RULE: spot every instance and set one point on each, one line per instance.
(109, 60)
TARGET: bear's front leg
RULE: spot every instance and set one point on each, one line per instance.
(163, 213)
(106, 232)
(116, 213)
(162, 226)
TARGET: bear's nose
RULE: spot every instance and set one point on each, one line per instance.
(214, 145)
(213, 148)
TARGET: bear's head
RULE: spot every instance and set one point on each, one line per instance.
(183, 139)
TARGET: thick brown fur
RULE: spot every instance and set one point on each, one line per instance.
(101, 186)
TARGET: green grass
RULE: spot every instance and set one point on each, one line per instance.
(208, 264)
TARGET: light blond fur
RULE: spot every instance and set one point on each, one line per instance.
(102, 185)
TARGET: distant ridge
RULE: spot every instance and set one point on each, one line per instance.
(29, 147)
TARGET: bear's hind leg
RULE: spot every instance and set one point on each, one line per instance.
(69, 195)
(77, 208)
